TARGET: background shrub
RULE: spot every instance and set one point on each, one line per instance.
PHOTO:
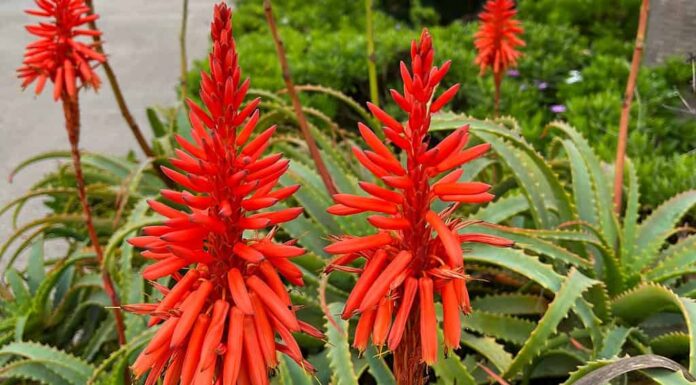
(577, 56)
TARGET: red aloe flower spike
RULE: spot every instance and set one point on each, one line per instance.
(415, 257)
(224, 314)
(60, 57)
(497, 40)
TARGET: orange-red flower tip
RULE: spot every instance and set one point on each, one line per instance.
(415, 257)
(229, 315)
(58, 55)
(498, 37)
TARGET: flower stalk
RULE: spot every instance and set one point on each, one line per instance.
(626, 105)
(71, 110)
(60, 57)
(408, 367)
(371, 56)
(182, 49)
(297, 105)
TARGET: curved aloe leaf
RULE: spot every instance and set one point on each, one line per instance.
(568, 294)
(583, 192)
(601, 372)
(378, 368)
(513, 303)
(37, 158)
(503, 209)
(56, 219)
(671, 344)
(312, 195)
(290, 373)
(532, 183)
(534, 244)
(488, 348)
(338, 95)
(609, 223)
(630, 221)
(73, 369)
(338, 349)
(34, 370)
(516, 261)
(654, 230)
(638, 304)
(677, 260)
(450, 369)
(614, 341)
(499, 326)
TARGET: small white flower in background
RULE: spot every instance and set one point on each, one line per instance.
(574, 77)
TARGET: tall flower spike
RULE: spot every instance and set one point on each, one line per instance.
(416, 252)
(221, 318)
(58, 55)
(497, 40)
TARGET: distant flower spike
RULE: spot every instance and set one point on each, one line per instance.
(498, 36)
(221, 318)
(497, 40)
(416, 252)
(57, 55)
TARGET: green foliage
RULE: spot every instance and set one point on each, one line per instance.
(113, 185)
(44, 364)
(598, 18)
(577, 54)
(571, 187)
(631, 256)
(577, 276)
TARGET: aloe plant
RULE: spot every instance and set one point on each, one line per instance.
(581, 288)
(567, 224)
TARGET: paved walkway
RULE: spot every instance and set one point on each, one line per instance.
(141, 39)
(671, 30)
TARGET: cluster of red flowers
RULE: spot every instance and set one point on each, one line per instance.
(57, 55)
(405, 265)
(221, 318)
(498, 37)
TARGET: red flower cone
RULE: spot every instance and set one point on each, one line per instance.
(497, 39)
(58, 55)
(221, 318)
(416, 253)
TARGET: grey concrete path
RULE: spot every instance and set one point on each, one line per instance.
(141, 39)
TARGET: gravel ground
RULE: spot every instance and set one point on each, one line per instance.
(141, 40)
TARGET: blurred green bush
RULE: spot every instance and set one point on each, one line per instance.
(574, 68)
